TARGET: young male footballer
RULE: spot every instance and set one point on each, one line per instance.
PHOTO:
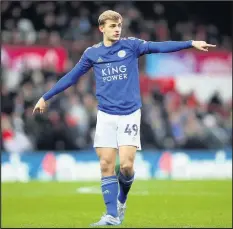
(115, 64)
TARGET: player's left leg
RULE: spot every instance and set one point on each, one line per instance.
(128, 137)
(126, 173)
(125, 177)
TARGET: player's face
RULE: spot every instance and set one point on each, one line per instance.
(112, 30)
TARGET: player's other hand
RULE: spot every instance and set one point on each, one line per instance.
(40, 106)
(202, 45)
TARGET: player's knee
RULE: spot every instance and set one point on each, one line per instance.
(127, 168)
(107, 167)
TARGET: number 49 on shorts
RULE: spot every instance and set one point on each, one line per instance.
(129, 129)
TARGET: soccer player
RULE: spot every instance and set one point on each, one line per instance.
(115, 64)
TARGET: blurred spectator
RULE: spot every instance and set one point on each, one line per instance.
(215, 102)
(26, 28)
(14, 140)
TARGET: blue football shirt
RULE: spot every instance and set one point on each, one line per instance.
(117, 76)
(116, 72)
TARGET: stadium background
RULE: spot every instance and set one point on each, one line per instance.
(186, 128)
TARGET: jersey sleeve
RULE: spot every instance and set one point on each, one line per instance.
(139, 46)
(71, 77)
(142, 47)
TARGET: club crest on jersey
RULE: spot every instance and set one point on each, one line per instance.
(121, 53)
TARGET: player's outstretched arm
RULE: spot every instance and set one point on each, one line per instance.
(66, 81)
(142, 47)
(173, 46)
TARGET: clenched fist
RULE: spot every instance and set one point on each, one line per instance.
(202, 45)
(40, 106)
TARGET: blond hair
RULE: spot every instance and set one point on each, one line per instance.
(109, 15)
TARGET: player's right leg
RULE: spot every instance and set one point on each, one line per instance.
(105, 144)
(109, 186)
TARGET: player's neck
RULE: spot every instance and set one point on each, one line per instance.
(108, 43)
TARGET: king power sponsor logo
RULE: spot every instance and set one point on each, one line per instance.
(113, 73)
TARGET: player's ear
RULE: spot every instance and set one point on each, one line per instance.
(101, 27)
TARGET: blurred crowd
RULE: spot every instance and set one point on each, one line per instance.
(169, 120)
(73, 24)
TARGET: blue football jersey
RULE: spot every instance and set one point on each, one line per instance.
(116, 74)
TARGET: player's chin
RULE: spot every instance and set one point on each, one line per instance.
(116, 38)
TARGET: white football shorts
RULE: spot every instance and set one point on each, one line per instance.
(113, 131)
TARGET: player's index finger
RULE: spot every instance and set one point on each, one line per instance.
(210, 45)
(34, 110)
